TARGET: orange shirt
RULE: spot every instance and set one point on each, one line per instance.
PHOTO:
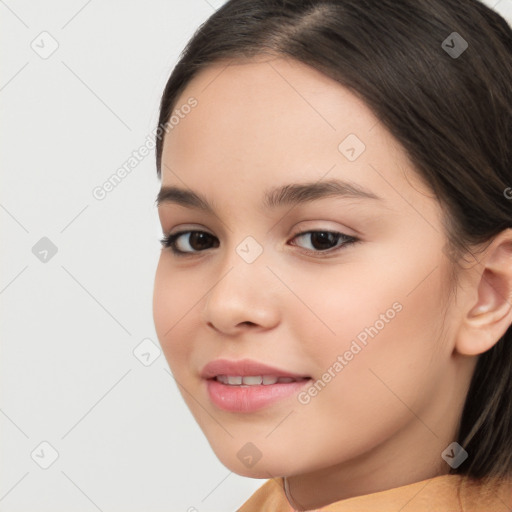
(445, 493)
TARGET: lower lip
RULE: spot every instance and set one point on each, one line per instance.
(250, 398)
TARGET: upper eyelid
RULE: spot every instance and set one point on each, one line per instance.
(303, 231)
(343, 230)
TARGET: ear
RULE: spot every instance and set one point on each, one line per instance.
(487, 319)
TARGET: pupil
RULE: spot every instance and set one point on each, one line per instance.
(323, 238)
(197, 240)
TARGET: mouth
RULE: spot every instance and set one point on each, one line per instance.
(247, 385)
(251, 393)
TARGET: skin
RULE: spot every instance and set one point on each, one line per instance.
(384, 420)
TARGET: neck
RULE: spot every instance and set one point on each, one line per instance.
(383, 467)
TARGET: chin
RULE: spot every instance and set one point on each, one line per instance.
(262, 468)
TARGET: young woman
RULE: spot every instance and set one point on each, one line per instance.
(334, 294)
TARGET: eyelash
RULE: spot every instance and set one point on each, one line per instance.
(169, 242)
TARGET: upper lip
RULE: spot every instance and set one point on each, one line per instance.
(243, 367)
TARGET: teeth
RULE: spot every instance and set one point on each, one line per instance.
(252, 380)
(234, 381)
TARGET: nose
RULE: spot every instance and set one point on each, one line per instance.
(244, 296)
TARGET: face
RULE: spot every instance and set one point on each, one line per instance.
(345, 292)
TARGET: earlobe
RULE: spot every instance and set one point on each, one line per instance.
(487, 320)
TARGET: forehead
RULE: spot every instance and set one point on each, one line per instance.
(275, 120)
(252, 99)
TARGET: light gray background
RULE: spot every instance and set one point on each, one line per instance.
(124, 437)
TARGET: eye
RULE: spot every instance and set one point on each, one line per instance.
(198, 241)
(325, 241)
(180, 246)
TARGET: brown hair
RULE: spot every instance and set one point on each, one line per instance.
(452, 114)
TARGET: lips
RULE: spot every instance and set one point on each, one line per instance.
(246, 386)
(235, 372)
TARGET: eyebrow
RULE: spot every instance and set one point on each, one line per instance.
(291, 194)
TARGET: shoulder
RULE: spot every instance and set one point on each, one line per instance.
(485, 494)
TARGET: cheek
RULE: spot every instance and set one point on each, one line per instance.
(386, 345)
(173, 303)
(342, 307)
